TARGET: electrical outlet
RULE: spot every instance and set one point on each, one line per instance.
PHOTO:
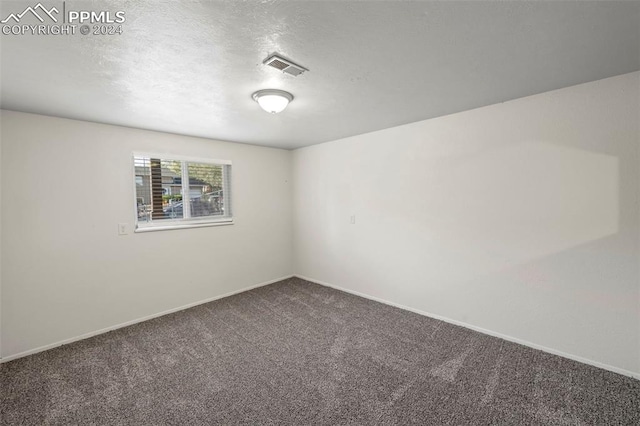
(353, 219)
(123, 229)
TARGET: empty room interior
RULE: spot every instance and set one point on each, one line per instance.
(320, 212)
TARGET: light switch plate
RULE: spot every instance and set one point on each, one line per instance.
(123, 229)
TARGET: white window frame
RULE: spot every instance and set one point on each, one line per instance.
(199, 222)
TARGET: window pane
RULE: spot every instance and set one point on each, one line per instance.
(206, 189)
(158, 189)
(180, 193)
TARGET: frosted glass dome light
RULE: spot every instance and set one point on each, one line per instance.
(272, 100)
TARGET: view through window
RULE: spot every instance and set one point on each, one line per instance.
(173, 192)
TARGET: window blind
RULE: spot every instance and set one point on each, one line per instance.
(180, 191)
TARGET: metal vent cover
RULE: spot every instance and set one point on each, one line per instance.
(278, 62)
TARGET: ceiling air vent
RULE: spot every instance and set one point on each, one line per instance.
(284, 65)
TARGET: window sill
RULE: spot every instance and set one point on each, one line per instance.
(186, 225)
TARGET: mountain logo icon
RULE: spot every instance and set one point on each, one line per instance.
(34, 11)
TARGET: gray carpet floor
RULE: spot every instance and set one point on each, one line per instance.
(301, 354)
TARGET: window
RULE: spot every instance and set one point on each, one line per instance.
(177, 193)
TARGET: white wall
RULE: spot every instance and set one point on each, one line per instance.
(520, 218)
(0, 241)
(67, 184)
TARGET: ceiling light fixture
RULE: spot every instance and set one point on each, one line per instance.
(272, 100)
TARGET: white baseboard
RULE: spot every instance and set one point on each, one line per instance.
(481, 330)
(135, 321)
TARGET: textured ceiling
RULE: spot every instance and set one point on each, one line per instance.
(191, 67)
